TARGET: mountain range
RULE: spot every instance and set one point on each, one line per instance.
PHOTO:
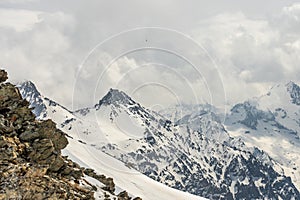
(250, 155)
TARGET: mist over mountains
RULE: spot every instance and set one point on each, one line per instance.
(252, 154)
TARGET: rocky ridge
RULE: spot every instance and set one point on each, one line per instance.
(31, 163)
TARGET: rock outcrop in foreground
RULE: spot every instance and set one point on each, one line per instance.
(31, 164)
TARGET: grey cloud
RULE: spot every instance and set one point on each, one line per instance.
(42, 55)
(251, 49)
(252, 52)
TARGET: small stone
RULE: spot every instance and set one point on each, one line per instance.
(123, 196)
(57, 164)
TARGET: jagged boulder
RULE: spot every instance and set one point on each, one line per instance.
(3, 76)
(123, 196)
(108, 182)
(48, 129)
(31, 165)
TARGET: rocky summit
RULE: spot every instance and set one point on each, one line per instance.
(31, 163)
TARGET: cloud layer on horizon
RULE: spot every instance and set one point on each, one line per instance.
(240, 56)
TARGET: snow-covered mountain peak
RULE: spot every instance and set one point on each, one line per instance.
(294, 91)
(249, 115)
(40, 104)
(190, 151)
(115, 96)
(271, 119)
(116, 101)
(284, 96)
(291, 84)
(285, 91)
(29, 92)
(29, 86)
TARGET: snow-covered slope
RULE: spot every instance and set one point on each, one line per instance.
(194, 154)
(88, 155)
(272, 123)
(129, 179)
(284, 102)
(201, 118)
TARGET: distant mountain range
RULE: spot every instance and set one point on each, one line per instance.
(252, 155)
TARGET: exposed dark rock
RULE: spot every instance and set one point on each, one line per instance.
(123, 196)
(3, 76)
(30, 153)
(31, 164)
(108, 182)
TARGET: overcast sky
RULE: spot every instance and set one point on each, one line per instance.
(159, 52)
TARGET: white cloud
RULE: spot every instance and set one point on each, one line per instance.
(41, 53)
(17, 1)
(293, 11)
(252, 50)
(253, 53)
(19, 20)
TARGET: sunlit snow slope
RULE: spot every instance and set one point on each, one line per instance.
(194, 153)
(272, 123)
